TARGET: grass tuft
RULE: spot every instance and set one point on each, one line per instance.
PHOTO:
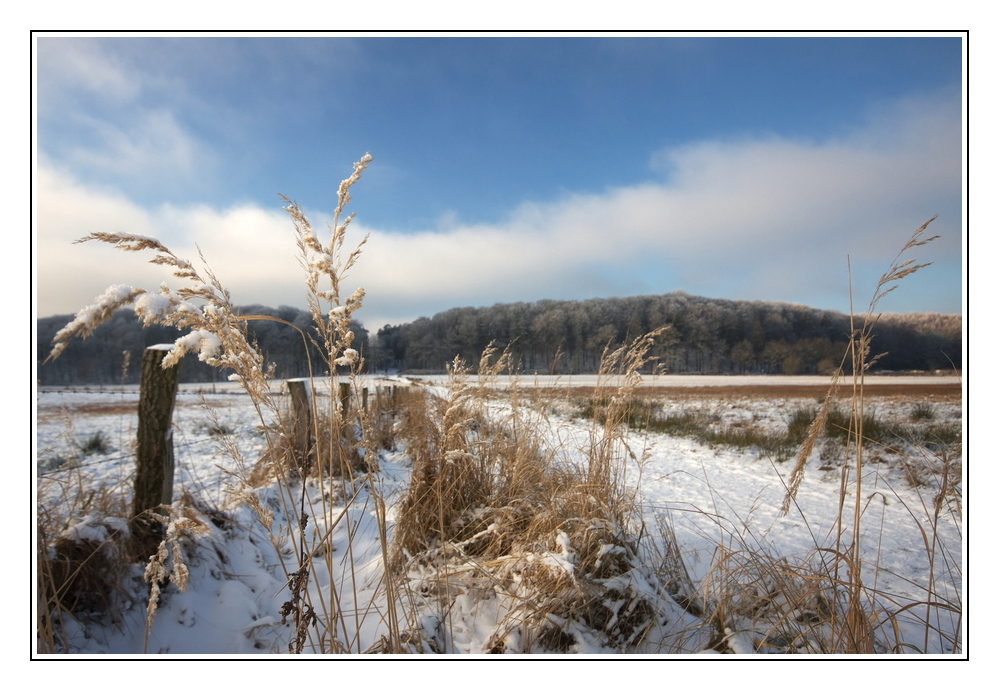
(96, 443)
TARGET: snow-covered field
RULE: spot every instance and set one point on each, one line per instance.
(714, 496)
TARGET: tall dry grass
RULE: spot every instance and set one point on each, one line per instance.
(857, 616)
(548, 537)
(316, 494)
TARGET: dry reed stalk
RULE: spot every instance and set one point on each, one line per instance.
(861, 342)
(168, 563)
(857, 618)
(623, 364)
(857, 635)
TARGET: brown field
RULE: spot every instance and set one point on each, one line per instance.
(930, 391)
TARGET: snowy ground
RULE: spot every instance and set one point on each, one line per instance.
(232, 603)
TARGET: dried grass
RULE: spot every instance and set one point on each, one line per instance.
(218, 334)
(492, 513)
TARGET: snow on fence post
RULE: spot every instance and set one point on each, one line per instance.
(301, 407)
(154, 455)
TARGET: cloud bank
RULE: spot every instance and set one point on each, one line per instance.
(758, 218)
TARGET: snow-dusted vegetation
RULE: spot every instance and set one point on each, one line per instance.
(710, 564)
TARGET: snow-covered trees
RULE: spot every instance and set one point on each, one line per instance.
(706, 336)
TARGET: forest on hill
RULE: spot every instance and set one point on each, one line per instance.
(705, 335)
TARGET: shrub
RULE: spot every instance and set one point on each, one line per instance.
(923, 411)
(96, 443)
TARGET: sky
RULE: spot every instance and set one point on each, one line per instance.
(506, 168)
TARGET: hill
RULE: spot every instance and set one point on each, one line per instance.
(705, 335)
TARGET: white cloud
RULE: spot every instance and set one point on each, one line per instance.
(70, 67)
(251, 250)
(106, 117)
(68, 275)
(765, 218)
(152, 147)
(755, 219)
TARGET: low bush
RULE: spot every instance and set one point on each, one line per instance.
(96, 443)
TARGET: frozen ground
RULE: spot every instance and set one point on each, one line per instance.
(713, 496)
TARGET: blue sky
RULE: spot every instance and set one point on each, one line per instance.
(507, 168)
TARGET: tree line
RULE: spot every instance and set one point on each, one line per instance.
(705, 335)
(101, 358)
(709, 336)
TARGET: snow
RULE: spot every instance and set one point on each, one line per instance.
(94, 528)
(348, 358)
(237, 574)
(88, 317)
(152, 307)
(205, 342)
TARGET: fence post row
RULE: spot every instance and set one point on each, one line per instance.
(155, 459)
(154, 456)
(345, 398)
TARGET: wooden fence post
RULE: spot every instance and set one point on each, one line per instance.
(301, 409)
(154, 455)
(364, 399)
(344, 398)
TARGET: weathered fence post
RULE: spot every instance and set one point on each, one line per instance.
(154, 455)
(301, 409)
(344, 398)
(364, 399)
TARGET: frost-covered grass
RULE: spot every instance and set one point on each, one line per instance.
(779, 430)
